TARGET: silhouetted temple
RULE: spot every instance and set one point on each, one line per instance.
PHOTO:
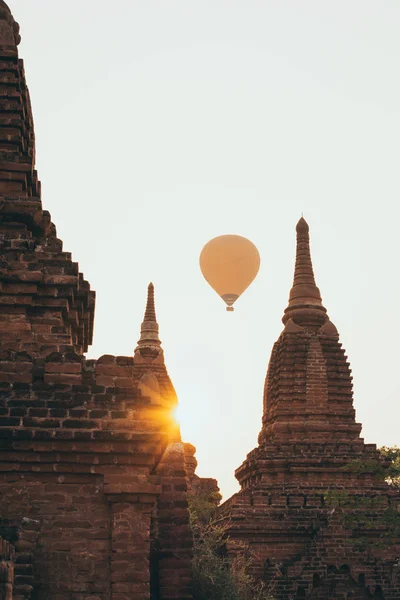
(303, 544)
(92, 468)
(94, 477)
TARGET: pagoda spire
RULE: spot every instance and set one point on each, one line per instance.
(305, 306)
(149, 329)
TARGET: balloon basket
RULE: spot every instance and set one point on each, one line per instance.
(230, 308)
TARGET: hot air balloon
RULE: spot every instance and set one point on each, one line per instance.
(229, 264)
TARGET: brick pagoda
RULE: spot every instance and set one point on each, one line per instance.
(306, 544)
(93, 473)
(93, 485)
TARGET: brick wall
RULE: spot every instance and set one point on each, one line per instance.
(90, 459)
(92, 473)
(7, 563)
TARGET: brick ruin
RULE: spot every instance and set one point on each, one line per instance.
(93, 472)
(93, 482)
(285, 511)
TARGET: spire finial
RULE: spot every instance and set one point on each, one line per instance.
(150, 313)
(149, 329)
(305, 303)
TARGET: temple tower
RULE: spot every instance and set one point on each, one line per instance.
(93, 478)
(46, 304)
(285, 513)
(308, 393)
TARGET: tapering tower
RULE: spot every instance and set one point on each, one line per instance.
(308, 393)
(309, 438)
(149, 343)
(46, 305)
(148, 361)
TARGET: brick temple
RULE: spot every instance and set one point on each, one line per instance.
(94, 477)
(93, 481)
(285, 510)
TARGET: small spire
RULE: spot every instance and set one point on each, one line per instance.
(305, 303)
(303, 272)
(150, 314)
(149, 329)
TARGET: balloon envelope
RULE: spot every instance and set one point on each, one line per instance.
(229, 264)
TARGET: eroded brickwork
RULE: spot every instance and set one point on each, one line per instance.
(90, 457)
(22, 536)
(92, 475)
(7, 564)
(304, 545)
(45, 303)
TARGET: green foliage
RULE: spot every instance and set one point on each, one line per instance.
(386, 468)
(364, 516)
(374, 523)
(202, 507)
(216, 576)
(393, 471)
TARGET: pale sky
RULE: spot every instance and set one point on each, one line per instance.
(161, 124)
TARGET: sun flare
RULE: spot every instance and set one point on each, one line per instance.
(177, 414)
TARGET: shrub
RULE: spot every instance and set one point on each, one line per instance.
(217, 576)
